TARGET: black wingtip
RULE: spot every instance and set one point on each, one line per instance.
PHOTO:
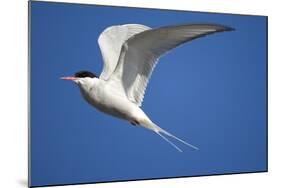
(226, 28)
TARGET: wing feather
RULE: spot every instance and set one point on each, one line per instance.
(140, 54)
(110, 42)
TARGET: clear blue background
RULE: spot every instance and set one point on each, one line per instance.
(210, 92)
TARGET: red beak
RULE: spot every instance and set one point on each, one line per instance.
(68, 78)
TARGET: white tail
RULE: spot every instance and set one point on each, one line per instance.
(158, 130)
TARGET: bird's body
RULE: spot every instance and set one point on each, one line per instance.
(130, 53)
(99, 94)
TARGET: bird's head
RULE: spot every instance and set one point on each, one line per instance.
(81, 78)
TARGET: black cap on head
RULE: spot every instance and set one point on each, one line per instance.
(83, 74)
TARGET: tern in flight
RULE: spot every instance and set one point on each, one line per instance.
(130, 52)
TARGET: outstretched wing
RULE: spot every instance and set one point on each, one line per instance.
(110, 42)
(140, 54)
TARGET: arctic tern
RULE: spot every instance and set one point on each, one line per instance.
(130, 52)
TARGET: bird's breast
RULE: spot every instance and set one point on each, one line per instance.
(92, 96)
(105, 100)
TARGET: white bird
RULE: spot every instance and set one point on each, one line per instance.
(130, 53)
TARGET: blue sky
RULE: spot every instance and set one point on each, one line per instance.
(210, 92)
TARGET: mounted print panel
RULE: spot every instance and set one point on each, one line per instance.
(119, 94)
